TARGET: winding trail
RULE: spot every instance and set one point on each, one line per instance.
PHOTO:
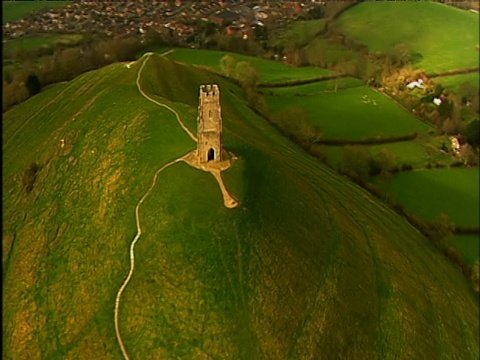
(192, 135)
(189, 158)
(132, 256)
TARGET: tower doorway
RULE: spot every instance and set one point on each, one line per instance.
(211, 154)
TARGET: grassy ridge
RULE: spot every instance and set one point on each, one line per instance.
(304, 261)
(446, 37)
(16, 10)
(270, 70)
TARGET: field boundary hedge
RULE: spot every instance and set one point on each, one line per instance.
(368, 141)
(461, 230)
(454, 72)
(288, 83)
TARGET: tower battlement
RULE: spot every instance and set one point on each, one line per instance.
(209, 92)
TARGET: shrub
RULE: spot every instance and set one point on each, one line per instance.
(356, 162)
(457, 164)
(475, 277)
(320, 152)
(33, 84)
(29, 177)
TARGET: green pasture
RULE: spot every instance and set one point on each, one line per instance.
(429, 193)
(469, 247)
(16, 10)
(354, 113)
(30, 42)
(446, 37)
(270, 71)
(417, 153)
(305, 253)
(455, 81)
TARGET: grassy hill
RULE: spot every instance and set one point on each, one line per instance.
(445, 36)
(308, 266)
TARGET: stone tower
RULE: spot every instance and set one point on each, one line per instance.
(209, 124)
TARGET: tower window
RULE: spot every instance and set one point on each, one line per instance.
(210, 114)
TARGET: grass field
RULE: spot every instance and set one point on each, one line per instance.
(446, 37)
(31, 42)
(270, 71)
(429, 193)
(354, 113)
(299, 33)
(16, 10)
(306, 259)
(454, 82)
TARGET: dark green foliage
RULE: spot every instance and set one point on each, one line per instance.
(295, 122)
(406, 167)
(33, 84)
(317, 12)
(356, 162)
(472, 133)
(446, 109)
(457, 164)
(383, 161)
(29, 177)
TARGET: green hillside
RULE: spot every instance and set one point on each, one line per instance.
(308, 265)
(446, 37)
(271, 71)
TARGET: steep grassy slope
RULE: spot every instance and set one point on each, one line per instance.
(308, 266)
(445, 36)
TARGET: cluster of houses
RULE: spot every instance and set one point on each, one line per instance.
(420, 84)
(180, 17)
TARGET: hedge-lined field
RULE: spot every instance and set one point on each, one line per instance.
(429, 193)
(269, 70)
(354, 113)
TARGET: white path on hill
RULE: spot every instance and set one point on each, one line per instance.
(192, 135)
(229, 202)
(132, 256)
